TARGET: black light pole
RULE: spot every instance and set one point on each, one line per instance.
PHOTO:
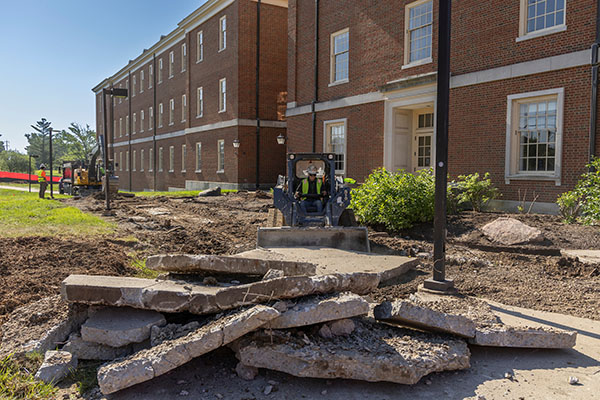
(439, 283)
(257, 94)
(51, 179)
(29, 169)
(117, 92)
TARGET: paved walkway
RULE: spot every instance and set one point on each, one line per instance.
(34, 188)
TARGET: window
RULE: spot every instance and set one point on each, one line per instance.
(418, 32)
(121, 161)
(160, 159)
(142, 160)
(150, 159)
(160, 115)
(171, 112)
(335, 142)
(425, 120)
(120, 98)
(222, 95)
(534, 135)
(221, 156)
(198, 157)
(115, 159)
(114, 132)
(183, 107)
(223, 33)
(183, 157)
(200, 47)
(541, 17)
(142, 121)
(127, 125)
(423, 141)
(127, 160)
(150, 76)
(133, 161)
(340, 44)
(171, 64)
(134, 85)
(142, 81)
(120, 127)
(200, 103)
(150, 118)
(160, 70)
(171, 158)
(183, 57)
(134, 124)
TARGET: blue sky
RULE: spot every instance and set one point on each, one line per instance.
(54, 51)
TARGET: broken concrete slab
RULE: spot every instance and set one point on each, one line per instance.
(169, 355)
(509, 231)
(319, 309)
(171, 331)
(56, 365)
(120, 326)
(245, 372)
(374, 353)
(212, 192)
(272, 274)
(346, 238)
(586, 256)
(211, 264)
(93, 351)
(499, 335)
(168, 296)
(334, 261)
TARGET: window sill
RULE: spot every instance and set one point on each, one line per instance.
(341, 82)
(222, 111)
(418, 63)
(533, 177)
(199, 116)
(221, 171)
(171, 171)
(171, 123)
(183, 70)
(160, 170)
(171, 76)
(199, 61)
(198, 171)
(183, 120)
(183, 171)
(542, 32)
(223, 49)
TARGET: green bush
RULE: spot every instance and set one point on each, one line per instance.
(478, 192)
(584, 201)
(395, 200)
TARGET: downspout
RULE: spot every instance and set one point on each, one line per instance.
(257, 94)
(316, 78)
(110, 144)
(154, 111)
(594, 99)
(130, 130)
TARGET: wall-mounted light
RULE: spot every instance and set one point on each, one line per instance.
(236, 143)
(281, 139)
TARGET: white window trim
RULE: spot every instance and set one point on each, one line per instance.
(200, 102)
(142, 160)
(183, 57)
(142, 120)
(220, 171)
(171, 112)
(171, 158)
(183, 108)
(332, 122)
(222, 34)
(150, 76)
(133, 161)
(222, 107)
(198, 171)
(134, 124)
(142, 81)
(160, 115)
(171, 64)
(510, 154)
(523, 35)
(150, 160)
(133, 86)
(199, 47)
(160, 70)
(160, 159)
(332, 81)
(407, 63)
(183, 157)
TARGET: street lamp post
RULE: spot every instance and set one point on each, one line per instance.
(51, 178)
(116, 92)
(29, 169)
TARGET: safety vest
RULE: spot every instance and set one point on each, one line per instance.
(305, 186)
(41, 175)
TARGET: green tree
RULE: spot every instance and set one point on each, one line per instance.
(1, 145)
(78, 141)
(38, 140)
(13, 161)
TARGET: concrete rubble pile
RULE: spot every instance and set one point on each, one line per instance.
(274, 314)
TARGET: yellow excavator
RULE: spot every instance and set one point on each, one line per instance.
(82, 178)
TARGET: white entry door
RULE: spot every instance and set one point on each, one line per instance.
(402, 140)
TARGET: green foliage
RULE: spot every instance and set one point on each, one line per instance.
(583, 203)
(476, 191)
(78, 141)
(17, 384)
(350, 181)
(86, 375)
(140, 265)
(13, 161)
(395, 200)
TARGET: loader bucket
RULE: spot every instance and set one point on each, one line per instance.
(343, 238)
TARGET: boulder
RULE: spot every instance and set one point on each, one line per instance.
(374, 353)
(509, 231)
(156, 361)
(118, 327)
(56, 365)
(93, 351)
(212, 192)
(499, 335)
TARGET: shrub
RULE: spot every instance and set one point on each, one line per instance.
(569, 206)
(478, 192)
(395, 200)
(584, 201)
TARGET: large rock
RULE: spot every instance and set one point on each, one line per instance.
(93, 351)
(168, 296)
(499, 335)
(509, 231)
(56, 365)
(118, 327)
(169, 355)
(321, 309)
(374, 352)
(212, 192)
(188, 263)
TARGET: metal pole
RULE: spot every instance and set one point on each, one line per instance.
(316, 82)
(29, 173)
(51, 184)
(105, 146)
(257, 94)
(439, 281)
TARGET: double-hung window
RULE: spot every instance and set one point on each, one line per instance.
(150, 159)
(223, 33)
(419, 26)
(150, 118)
(133, 85)
(335, 142)
(142, 160)
(183, 57)
(120, 127)
(171, 158)
(221, 156)
(183, 107)
(541, 17)
(340, 46)
(133, 161)
(183, 157)
(160, 115)
(134, 127)
(222, 95)
(200, 102)
(160, 159)
(160, 70)
(171, 112)
(142, 81)
(150, 76)
(142, 121)
(127, 125)
(198, 157)
(200, 47)
(171, 64)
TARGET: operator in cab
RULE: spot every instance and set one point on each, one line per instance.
(311, 191)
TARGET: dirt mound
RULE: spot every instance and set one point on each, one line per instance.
(571, 267)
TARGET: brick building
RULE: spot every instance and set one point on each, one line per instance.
(520, 88)
(193, 95)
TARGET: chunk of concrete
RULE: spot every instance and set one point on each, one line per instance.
(347, 238)
(273, 273)
(374, 353)
(245, 372)
(319, 309)
(586, 256)
(147, 364)
(500, 335)
(509, 231)
(56, 365)
(342, 327)
(210, 264)
(421, 316)
(93, 351)
(338, 261)
(168, 296)
(212, 192)
(118, 327)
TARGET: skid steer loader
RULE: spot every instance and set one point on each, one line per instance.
(334, 226)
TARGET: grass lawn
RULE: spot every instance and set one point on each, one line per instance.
(24, 214)
(183, 193)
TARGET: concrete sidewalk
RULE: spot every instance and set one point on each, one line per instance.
(34, 188)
